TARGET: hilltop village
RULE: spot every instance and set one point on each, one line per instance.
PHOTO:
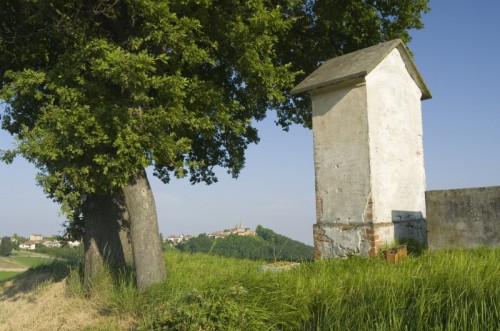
(37, 239)
(238, 230)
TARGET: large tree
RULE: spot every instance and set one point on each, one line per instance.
(95, 91)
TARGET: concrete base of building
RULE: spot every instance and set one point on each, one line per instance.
(339, 240)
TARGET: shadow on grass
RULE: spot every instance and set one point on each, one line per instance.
(34, 277)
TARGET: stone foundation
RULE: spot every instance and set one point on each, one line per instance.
(343, 240)
(364, 239)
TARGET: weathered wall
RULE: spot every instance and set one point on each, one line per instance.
(341, 156)
(342, 169)
(395, 135)
(396, 151)
(463, 218)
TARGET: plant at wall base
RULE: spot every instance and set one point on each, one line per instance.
(415, 247)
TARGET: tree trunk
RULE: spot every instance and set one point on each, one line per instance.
(144, 232)
(107, 235)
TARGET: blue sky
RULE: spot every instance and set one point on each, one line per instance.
(458, 56)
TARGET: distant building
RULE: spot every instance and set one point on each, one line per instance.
(242, 231)
(177, 239)
(36, 237)
(52, 244)
(219, 234)
(238, 230)
(30, 245)
(74, 243)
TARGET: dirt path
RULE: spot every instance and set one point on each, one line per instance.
(14, 269)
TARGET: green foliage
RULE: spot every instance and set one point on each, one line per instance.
(97, 90)
(284, 248)
(6, 246)
(199, 244)
(18, 238)
(64, 253)
(109, 88)
(267, 245)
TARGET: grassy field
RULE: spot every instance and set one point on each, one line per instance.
(14, 265)
(451, 290)
(447, 290)
(7, 274)
(32, 261)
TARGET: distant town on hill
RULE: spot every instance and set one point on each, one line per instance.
(36, 240)
(238, 241)
(241, 242)
(238, 230)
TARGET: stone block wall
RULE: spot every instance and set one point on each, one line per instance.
(465, 218)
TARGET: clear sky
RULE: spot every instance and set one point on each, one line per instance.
(458, 56)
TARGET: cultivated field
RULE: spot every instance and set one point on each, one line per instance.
(19, 262)
(10, 263)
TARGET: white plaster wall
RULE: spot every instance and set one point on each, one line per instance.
(395, 139)
(341, 154)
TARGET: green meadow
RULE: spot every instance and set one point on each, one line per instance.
(7, 274)
(446, 290)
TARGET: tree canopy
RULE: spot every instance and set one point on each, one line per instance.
(96, 90)
(6, 246)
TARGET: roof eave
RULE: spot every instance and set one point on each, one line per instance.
(414, 73)
(310, 88)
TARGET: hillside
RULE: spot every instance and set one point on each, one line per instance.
(266, 245)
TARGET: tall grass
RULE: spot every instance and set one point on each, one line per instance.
(454, 290)
(448, 290)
